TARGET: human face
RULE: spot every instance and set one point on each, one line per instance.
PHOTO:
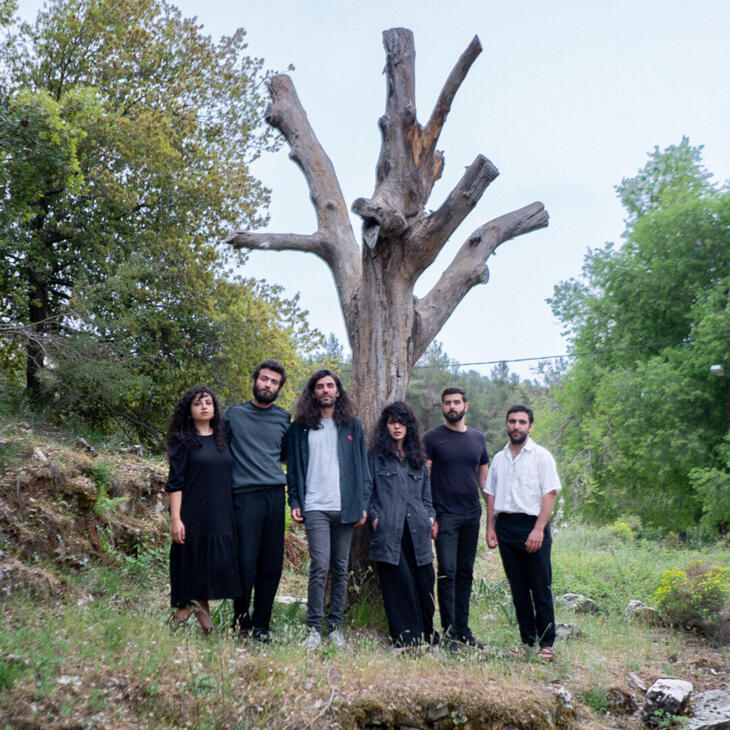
(454, 407)
(202, 410)
(518, 427)
(397, 430)
(266, 386)
(326, 392)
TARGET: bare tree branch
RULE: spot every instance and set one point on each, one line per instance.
(431, 235)
(279, 242)
(468, 267)
(432, 130)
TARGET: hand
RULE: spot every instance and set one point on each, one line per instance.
(362, 521)
(178, 532)
(434, 528)
(534, 540)
(296, 515)
(375, 524)
(492, 541)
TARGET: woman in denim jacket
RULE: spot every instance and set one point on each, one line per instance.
(402, 519)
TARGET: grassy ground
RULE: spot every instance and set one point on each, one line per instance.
(103, 656)
(99, 654)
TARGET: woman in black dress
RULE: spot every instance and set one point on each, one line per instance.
(402, 518)
(202, 556)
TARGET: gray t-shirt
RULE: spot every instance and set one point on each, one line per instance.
(257, 440)
(323, 469)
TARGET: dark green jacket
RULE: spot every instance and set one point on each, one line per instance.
(355, 482)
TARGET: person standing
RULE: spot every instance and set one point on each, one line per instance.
(403, 522)
(203, 562)
(329, 490)
(458, 461)
(257, 437)
(521, 490)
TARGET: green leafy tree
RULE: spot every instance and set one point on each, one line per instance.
(126, 137)
(638, 410)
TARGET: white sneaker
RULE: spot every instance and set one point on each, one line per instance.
(313, 640)
(336, 638)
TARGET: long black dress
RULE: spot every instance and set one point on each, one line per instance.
(205, 566)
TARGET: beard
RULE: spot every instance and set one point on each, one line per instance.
(454, 416)
(518, 438)
(264, 396)
(325, 401)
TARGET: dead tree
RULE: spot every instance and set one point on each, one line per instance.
(388, 327)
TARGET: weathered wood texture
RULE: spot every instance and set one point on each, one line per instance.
(389, 328)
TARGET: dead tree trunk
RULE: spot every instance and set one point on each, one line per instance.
(389, 328)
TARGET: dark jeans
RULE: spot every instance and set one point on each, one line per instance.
(456, 548)
(530, 578)
(408, 596)
(329, 550)
(259, 524)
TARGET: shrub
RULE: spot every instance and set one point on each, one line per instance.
(622, 530)
(694, 597)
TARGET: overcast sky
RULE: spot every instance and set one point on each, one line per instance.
(567, 98)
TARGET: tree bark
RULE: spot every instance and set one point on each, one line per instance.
(388, 327)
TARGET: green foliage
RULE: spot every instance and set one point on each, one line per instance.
(621, 530)
(638, 410)
(693, 597)
(125, 146)
(596, 698)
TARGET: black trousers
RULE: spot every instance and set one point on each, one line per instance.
(530, 578)
(456, 548)
(259, 522)
(408, 596)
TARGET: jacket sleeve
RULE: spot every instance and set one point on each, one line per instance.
(371, 508)
(426, 493)
(177, 454)
(292, 468)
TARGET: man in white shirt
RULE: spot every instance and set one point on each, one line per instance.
(521, 489)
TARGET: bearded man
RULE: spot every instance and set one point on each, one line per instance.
(257, 437)
(457, 458)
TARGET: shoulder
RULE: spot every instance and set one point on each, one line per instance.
(541, 452)
(433, 433)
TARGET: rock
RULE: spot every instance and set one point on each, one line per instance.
(578, 603)
(636, 680)
(638, 611)
(437, 712)
(565, 699)
(81, 491)
(666, 696)
(710, 711)
(39, 454)
(82, 443)
(567, 631)
(17, 576)
(135, 449)
(621, 702)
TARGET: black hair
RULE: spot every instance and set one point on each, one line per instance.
(308, 413)
(453, 390)
(412, 446)
(521, 408)
(182, 425)
(274, 365)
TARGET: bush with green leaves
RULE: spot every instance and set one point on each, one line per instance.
(693, 597)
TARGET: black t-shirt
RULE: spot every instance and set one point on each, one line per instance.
(455, 460)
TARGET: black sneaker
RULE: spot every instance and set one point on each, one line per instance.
(468, 639)
(261, 635)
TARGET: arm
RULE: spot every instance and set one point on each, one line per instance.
(367, 482)
(535, 538)
(178, 528)
(427, 503)
(482, 479)
(492, 541)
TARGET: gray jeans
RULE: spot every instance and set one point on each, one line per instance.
(329, 550)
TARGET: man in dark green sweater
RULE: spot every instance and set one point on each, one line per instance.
(257, 437)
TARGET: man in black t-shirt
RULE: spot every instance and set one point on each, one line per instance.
(458, 460)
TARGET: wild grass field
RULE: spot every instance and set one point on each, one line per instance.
(100, 654)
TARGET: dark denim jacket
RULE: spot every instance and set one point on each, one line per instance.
(355, 481)
(401, 495)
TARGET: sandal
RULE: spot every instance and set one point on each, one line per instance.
(518, 651)
(547, 653)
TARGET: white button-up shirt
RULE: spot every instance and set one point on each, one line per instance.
(518, 485)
